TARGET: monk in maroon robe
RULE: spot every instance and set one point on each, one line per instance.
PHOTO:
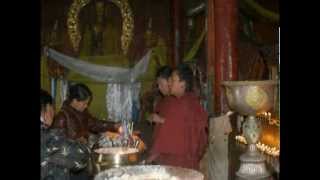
(156, 117)
(182, 138)
(163, 75)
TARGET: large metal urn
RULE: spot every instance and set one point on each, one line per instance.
(113, 157)
(249, 98)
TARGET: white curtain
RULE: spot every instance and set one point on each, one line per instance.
(63, 89)
(99, 72)
(122, 87)
(120, 106)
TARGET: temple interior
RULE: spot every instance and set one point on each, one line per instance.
(121, 44)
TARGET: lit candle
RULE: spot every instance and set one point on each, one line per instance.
(269, 115)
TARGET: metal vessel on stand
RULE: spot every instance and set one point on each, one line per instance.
(249, 98)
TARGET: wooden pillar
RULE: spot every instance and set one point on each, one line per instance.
(176, 14)
(211, 52)
(225, 55)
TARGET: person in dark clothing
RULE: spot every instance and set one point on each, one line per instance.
(74, 118)
(77, 123)
(59, 155)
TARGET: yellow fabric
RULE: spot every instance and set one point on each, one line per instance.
(45, 82)
(193, 51)
(159, 55)
(263, 11)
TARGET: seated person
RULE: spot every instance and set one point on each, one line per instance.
(59, 155)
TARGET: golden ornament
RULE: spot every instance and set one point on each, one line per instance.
(256, 97)
(127, 23)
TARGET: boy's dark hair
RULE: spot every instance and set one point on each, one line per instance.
(164, 72)
(80, 92)
(185, 74)
(45, 99)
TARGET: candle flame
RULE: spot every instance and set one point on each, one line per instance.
(273, 151)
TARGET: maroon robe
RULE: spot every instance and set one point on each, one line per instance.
(182, 138)
(161, 104)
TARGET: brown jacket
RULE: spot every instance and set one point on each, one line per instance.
(77, 124)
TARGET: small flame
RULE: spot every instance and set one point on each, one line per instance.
(120, 129)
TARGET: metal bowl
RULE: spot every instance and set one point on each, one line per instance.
(105, 158)
(148, 172)
(250, 97)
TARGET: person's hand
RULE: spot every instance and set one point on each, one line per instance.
(156, 118)
(229, 113)
(117, 127)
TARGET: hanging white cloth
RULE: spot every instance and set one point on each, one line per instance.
(99, 72)
(63, 89)
(119, 105)
(122, 88)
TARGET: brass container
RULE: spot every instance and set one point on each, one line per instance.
(250, 97)
(117, 157)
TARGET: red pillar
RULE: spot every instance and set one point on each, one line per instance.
(211, 50)
(225, 56)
